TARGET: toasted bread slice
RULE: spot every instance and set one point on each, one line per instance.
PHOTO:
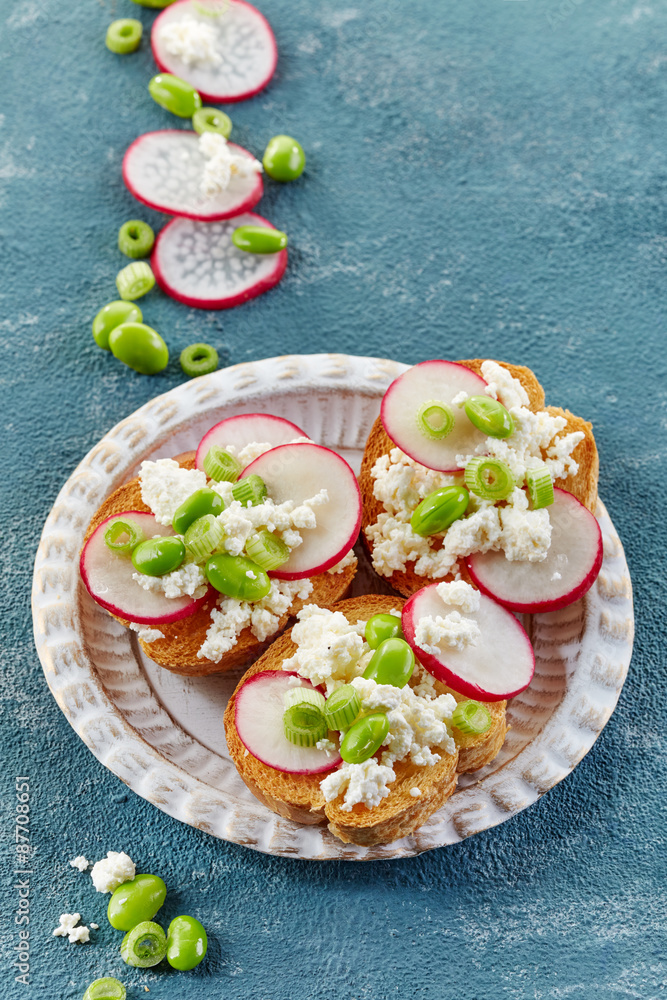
(299, 797)
(583, 486)
(177, 651)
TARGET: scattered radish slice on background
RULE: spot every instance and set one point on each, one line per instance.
(498, 666)
(247, 428)
(197, 263)
(107, 577)
(164, 170)
(568, 572)
(245, 47)
(258, 714)
(431, 380)
(298, 472)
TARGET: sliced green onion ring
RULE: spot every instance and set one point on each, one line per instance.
(199, 359)
(267, 550)
(342, 707)
(471, 717)
(134, 281)
(107, 988)
(144, 946)
(540, 487)
(435, 420)
(124, 36)
(203, 537)
(212, 120)
(304, 725)
(135, 239)
(303, 696)
(220, 466)
(251, 490)
(489, 478)
(123, 536)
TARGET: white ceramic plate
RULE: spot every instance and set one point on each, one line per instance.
(163, 734)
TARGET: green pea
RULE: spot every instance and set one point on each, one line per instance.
(489, 416)
(381, 627)
(202, 502)
(174, 94)
(135, 901)
(229, 575)
(284, 158)
(439, 509)
(186, 943)
(392, 663)
(259, 239)
(107, 988)
(158, 556)
(212, 120)
(139, 347)
(111, 316)
(364, 738)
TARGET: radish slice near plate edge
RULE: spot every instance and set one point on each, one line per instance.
(107, 576)
(258, 716)
(298, 472)
(196, 263)
(498, 666)
(245, 46)
(247, 428)
(570, 569)
(164, 170)
(439, 381)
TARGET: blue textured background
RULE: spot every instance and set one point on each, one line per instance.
(484, 178)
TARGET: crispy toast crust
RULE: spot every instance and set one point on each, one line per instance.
(299, 797)
(177, 651)
(583, 485)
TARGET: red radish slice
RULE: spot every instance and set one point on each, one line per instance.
(258, 714)
(498, 666)
(107, 577)
(164, 170)
(247, 428)
(297, 472)
(568, 572)
(197, 263)
(432, 380)
(245, 45)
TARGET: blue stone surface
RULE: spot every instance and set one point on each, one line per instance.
(484, 179)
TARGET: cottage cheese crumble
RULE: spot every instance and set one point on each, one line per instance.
(145, 633)
(67, 927)
(349, 559)
(221, 164)
(191, 41)
(165, 485)
(186, 581)
(112, 871)
(80, 862)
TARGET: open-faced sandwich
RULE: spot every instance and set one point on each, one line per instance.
(207, 556)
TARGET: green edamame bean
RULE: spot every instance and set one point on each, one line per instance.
(144, 946)
(158, 556)
(154, 4)
(381, 627)
(111, 316)
(204, 501)
(489, 416)
(440, 509)
(259, 239)
(107, 988)
(237, 577)
(284, 158)
(364, 738)
(174, 94)
(136, 901)
(139, 347)
(212, 120)
(392, 663)
(186, 943)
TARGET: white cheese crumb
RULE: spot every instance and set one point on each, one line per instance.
(191, 41)
(165, 485)
(67, 927)
(95, 927)
(80, 862)
(367, 782)
(453, 631)
(502, 386)
(556, 576)
(460, 398)
(329, 648)
(349, 559)
(186, 581)
(415, 792)
(112, 871)
(460, 594)
(327, 745)
(221, 164)
(145, 633)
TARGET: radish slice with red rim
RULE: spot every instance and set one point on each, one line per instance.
(439, 381)
(107, 577)
(498, 666)
(258, 715)
(570, 569)
(164, 170)
(298, 472)
(248, 428)
(197, 263)
(246, 51)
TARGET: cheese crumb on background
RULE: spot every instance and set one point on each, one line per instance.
(112, 871)
(67, 927)
(80, 862)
